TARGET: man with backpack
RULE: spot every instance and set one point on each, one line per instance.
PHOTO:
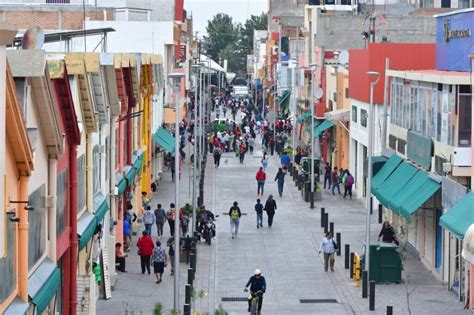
(217, 155)
(148, 219)
(234, 215)
(348, 184)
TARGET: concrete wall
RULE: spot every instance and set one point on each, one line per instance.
(343, 31)
(283, 8)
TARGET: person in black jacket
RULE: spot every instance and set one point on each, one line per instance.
(258, 284)
(270, 207)
(388, 234)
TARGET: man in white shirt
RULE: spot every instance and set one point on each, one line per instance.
(328, 247)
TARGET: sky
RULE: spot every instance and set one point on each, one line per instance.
(239, 10)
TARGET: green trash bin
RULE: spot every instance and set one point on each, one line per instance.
(385, 263)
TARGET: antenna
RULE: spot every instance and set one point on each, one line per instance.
(33, 38)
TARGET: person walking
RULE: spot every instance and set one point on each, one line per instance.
(210, 142)
(348, 184)
(260, 177)
(159, 261)
(335, 181)
(327, 176)
(280, 179)
(148, 219)
(145, 250)
(216, 154)
(234, 215)
(257, 285)
(160, 218)
(328, 246)
(251, 144)
(127, 235)
(242, 150)
(264, 162)
(285, 160)
(170, 216)
(171, 252)
(270, 207)
(259, 211)
(120, 257)
(388, 234)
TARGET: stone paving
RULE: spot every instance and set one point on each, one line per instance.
(287, 254)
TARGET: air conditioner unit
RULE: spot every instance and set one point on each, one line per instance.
(447, 167)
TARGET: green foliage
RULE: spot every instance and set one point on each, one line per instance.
(158, 309)
(232, 41)
(220, 311)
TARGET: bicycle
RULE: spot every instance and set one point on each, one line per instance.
(254, 300)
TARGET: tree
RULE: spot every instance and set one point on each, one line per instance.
(221, 31)
(256, 22)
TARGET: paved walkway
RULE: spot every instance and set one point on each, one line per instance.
(287, 254)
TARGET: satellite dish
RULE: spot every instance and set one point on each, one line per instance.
(33, 38)
(318, 92)
(344, 57)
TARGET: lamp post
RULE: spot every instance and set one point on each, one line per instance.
(176, 79)
(196, 67)
(314, 67)
(370, 149)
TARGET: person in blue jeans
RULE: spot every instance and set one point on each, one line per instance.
(280, 177)
(259, 210)
(148, 219)
(284, 160)
(335, 181)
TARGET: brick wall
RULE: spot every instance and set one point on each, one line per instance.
(51, 19)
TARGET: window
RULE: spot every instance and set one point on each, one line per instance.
(392, 142)
(81, 182)
(61, 202)
(464, 116)
(8, 263)
(401, 146)
(330, 105)
(354, 113)
(37, 225)
(446, 3)
(334, 97)
(346, 91)
(21, 89)
(96, 173)
(363, 118)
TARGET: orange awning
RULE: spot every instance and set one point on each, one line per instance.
(169, 114)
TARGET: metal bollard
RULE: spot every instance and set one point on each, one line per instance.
(290, 168)
(364, 284)
(338, 242)
(323, 211)
(295, 176)
(347, 250)
(193, 261)
(326, 219)
(372, 296)
(331, 227)
(351, 266)
(389, 310)
(371, 205)
(187, 309)
(380, 213)
(190, 276)
(187, 294)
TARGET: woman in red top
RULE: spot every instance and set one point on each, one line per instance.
(145, 250)
(260, 177)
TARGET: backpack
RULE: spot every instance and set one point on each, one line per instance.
(148, 217)
(234, 214)
(350, 180)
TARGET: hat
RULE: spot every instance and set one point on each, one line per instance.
(258, 272)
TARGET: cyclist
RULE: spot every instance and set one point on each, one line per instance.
(257, 286)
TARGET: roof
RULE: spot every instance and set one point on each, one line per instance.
(454, 12)
(435, 76)
(213, 65)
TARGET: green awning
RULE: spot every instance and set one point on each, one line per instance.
(43, 285)
(421, 192)
(284, 97)
(139, 161)
(323, 126)
(164, 139)
(303, 117)
(130, 173)
(120, 183)
(85, 229)
(317, 122)
(458, 218)
(385, 171)
(101, 206)
(390, 189)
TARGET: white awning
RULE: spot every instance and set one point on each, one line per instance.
(342, 114)
(468, 245)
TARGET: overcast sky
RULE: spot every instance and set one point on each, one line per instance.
(240, 10)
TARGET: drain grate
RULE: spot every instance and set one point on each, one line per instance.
(234, 299)
(307, 301)
(227, 213)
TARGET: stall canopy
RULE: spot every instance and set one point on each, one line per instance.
(43, 285)
(458, 218)
(342, 114)
(164, 139)
(302, 117)
(323, 126)
(385, 171)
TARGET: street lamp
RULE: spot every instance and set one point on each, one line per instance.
(370, 149)
(175, 78)
(196, 67)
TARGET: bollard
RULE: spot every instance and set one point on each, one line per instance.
(347, 249)
(290, 168)
(326, 219)
(351, 266)
(296, 177)
(190, 276)
(187, 294)
(389, 310)
(193, 261)
(311, 199)
(331, 228)
(371, 206)
(338, 242)
(187, 309)
(364, 284)
(372, 296)
(380, 213)
(295, 171)
(323, 211)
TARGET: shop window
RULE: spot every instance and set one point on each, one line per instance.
(61, 202)
(36, 226)
(354, 113)
(363, 117)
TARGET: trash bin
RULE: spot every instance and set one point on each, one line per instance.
(385, 263)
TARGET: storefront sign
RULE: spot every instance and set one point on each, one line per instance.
(460, 33)
(419, 149)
